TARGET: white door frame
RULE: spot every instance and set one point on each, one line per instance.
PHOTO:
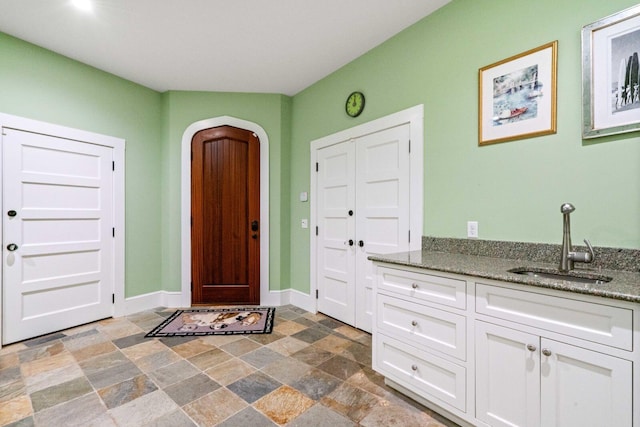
(414, 116)
(118, 146)
(266, 297)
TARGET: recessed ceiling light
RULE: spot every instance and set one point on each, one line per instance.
(84, 5)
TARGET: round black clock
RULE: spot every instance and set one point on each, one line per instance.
(354, 104)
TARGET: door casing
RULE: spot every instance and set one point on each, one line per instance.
(414, 116)
(266, 297)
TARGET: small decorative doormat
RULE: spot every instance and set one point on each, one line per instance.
(216, 321)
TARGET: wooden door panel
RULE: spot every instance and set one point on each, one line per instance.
(225, 202)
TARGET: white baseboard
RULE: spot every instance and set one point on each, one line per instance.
(152, 300)
(174, 299)
(302, 300)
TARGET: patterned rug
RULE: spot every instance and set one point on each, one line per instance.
(216, 321)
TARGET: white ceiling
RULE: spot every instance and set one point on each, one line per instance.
(276, 46)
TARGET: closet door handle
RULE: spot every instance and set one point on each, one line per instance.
(351, 242)
(360, 243)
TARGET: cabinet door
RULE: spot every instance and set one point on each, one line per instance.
(584, 388)
(507, 376)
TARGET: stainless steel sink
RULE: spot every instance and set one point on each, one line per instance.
(573, 276)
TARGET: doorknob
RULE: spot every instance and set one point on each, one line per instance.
(255, 225)
(350, 242)
(12, 213)
(12, 247)
(360, 243)
(350, 213)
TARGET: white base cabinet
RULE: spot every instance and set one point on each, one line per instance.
(527, 380)
(499, 354)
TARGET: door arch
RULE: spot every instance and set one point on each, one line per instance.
(186, 202)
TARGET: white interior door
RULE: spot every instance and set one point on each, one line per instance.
(382, 208)
(60, 272)
(336, 231)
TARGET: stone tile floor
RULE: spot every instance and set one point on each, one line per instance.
(311, 371)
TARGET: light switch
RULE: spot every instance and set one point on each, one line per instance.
(304, 223)
(304, 196)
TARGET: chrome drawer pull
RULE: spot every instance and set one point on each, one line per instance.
(531, 347)
(414, 285)
(414, 323)
(414, 367)
(546, 352)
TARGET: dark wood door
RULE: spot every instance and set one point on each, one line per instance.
(225, 209)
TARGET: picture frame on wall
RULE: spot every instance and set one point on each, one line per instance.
(517, 96)
(610, 75)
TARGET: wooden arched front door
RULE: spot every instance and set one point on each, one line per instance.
(225, 214)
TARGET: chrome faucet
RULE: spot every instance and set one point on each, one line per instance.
(568, 256)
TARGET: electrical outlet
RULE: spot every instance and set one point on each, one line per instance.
(472, 229)
(304, 223)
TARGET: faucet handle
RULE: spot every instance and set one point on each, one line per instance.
(590, 256)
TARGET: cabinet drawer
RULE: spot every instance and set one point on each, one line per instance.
(424, 373)
(427, 326)
(427, 287)
(599, 323)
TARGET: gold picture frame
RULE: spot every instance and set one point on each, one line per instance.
(610, 76)
(517, 96)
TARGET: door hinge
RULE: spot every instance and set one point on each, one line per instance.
(317, 167)
(316, 230)
(409, 145)
(191, 286)
(113, 298)
(113, 232)
(316, 294)
(113, 166)
(409, 236)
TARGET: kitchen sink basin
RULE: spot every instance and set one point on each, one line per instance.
(572, 276)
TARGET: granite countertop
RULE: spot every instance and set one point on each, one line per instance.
(624, 286)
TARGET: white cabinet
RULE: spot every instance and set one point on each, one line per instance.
(527, 380)
(488, 353)
(362, 209)
(420, 335)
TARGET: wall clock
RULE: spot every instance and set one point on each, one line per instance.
(354, 104)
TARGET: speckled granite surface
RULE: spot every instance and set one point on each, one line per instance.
(492, 260)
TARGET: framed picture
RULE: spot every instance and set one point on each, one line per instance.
(610, 77)
(517, 96)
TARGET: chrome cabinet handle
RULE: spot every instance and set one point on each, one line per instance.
(414, 285)
(546, 352)
(531, 347)
(414, 367)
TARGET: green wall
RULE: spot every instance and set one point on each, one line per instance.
(272, 113)
(41, 85)
(514, 189)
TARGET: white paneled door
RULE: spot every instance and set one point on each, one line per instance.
(58, 248)
(363, 205)
(336, 232)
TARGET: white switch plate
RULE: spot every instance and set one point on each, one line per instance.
(304, 196)
(304, 223)
(472, 229)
